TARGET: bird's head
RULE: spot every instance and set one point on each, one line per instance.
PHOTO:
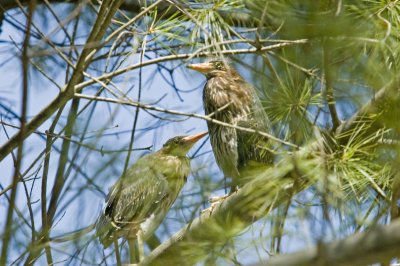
(180, 145)
(213, 68)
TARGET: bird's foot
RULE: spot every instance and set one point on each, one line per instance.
(214, 201)
(217, 199)
(114, 224)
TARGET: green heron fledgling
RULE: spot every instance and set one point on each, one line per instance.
(232, 100)
(146, 192)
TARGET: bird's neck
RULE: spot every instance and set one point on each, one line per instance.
(226, 92)
(168, 153)
(174, 167)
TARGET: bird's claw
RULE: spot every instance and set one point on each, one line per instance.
(214, 201)
(217, 199)
(114, 224)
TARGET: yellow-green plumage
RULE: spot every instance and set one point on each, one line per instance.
(147, 190)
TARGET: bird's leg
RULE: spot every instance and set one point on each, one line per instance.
(114, 224)
(217, 200)
(133, 257)
(214, 201)
(140, 243)
(117, 255)
(234, 188)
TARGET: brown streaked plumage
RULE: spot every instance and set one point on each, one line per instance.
(232, 100)
(147, 191)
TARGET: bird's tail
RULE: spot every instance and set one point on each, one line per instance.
(105, 230)
(73, 235)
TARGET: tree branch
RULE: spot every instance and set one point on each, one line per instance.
(172, 57)
(68, 91)
(374, 106)
(75, 84)
(329, 91)
(8, 230)
(169, 111)
(234, 18)
(379, 244)
(106, 13)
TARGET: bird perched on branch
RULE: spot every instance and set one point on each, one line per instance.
(146, 191)
(230, 99)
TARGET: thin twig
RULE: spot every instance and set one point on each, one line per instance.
(329, 86)
(169, 111)
(20, 140)
(118, 72)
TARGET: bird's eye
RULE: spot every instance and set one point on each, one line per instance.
(218, 65)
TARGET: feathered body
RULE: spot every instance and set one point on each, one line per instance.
(230, 99)
(146, 191)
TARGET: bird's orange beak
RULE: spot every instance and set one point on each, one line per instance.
(202, 67)
(194, 138)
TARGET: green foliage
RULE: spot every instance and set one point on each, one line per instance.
(354, 161)
(291, 107)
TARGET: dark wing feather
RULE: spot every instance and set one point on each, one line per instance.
(254, 147)
(141, 199)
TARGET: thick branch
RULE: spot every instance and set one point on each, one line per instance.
(379, 244)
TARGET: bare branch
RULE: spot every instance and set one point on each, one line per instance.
(67, 93)
(106, 12)
(118, 72)
(169, 111)
(19, 140)
(329, 91)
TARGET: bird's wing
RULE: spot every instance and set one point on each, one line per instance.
(258, 113)
(135, 197)
(252, 146)
(138, 196)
